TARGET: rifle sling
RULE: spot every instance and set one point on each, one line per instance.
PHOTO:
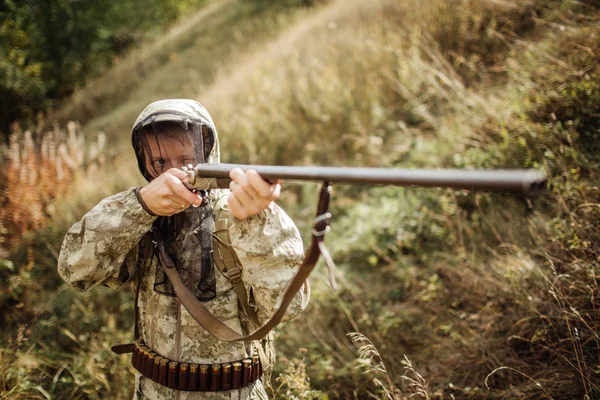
(217, 328)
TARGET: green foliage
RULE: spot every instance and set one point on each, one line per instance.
(21, 76)
(48, 353)
(490, 281)
(294, 383)
(51, 47)
(491, 296)
(184, 62)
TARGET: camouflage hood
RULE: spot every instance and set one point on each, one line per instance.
(187, 235)
(190, 114)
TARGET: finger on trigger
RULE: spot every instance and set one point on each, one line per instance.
(181, 191)
(177, 202)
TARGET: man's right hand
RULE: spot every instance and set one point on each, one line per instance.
(167, 195)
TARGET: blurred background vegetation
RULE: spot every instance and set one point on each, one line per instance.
(50, 48)
(442, 294)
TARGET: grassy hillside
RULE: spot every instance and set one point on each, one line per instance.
(181, 64)
(489, 296)
(453, 294)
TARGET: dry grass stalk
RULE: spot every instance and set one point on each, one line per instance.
(520, 373)
(372, 362)
(39, 172)
(417, 383)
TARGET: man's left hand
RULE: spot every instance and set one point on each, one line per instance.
(250, 194)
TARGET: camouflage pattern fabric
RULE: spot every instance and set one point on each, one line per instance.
(103, 249)
(167, 110)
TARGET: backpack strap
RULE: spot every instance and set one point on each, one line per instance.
(226, 260)
(231, 267)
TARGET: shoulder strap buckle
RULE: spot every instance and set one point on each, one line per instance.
(235, 275)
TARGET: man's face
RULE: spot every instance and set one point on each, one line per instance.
(167, 153)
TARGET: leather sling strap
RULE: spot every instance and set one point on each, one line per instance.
(217, 328)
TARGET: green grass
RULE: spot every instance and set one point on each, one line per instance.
(487, 295)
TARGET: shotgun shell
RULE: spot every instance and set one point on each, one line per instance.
(156, 368)
(215, 377)
(163, 372)
(184, 376)
(226, 377)
(254, 367)
(246, 371)
(204, 377)
(173, 372)
(236, 377)
(194, 378)
(150, 364)
(143, 361)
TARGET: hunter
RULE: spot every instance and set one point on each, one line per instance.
(115, 244)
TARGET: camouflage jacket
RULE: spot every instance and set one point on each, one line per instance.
(103, 249)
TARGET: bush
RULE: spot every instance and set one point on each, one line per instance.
(53, 47)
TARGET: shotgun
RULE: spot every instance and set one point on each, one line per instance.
(214, 176)
(527, 181)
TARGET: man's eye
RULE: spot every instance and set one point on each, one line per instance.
(158, 163)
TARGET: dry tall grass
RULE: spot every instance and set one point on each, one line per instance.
(40, 168)
(179, 64)
(50, 177)
(456, 84)
(490, 296)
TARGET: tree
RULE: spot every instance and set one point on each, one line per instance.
(51, 47)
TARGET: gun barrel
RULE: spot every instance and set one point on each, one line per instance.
(212, 176)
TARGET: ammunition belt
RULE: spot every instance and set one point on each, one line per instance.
(195, 377)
